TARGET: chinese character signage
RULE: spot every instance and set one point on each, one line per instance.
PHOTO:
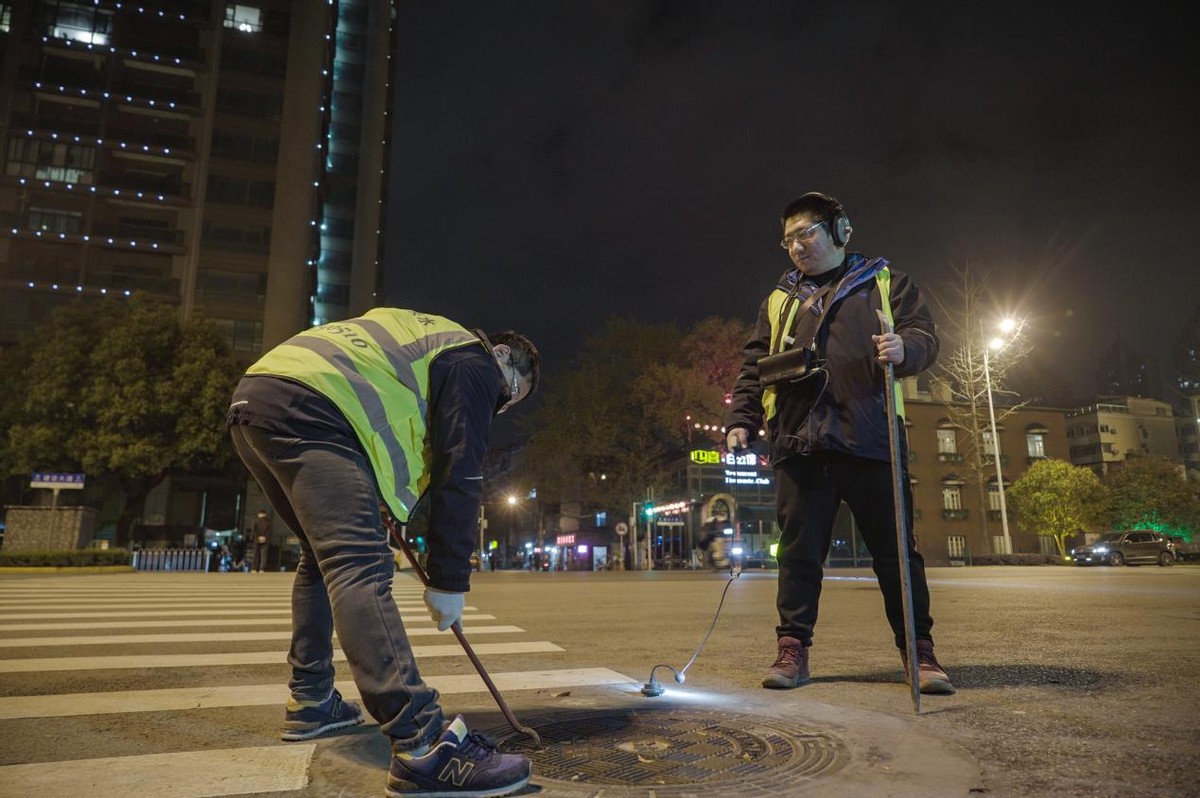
(740, 469)
(56, 481)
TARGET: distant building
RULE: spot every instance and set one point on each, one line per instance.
(227, 159)
(224, 158)
(1122, 371)
(953, 519)
(1187, 428)
(1102, 435)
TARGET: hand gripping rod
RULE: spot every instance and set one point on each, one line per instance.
(458, 632)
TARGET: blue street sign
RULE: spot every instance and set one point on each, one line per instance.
(56, 481)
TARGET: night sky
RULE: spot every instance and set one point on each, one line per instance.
(558, 163)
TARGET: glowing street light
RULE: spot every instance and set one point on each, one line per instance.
(997, 344)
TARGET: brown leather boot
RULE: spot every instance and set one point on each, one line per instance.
(791, 666)
(931, 677)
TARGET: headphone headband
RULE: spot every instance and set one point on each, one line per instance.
(839, 222)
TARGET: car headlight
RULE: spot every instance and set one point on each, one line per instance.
(1100, 549)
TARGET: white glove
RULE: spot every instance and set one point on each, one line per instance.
(445, 607)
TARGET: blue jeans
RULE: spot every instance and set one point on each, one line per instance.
(324, 490)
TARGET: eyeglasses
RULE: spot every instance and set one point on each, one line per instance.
(801, 237)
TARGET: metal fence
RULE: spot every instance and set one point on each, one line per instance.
(171, 559)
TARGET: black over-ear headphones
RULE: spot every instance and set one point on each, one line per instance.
(839, 222)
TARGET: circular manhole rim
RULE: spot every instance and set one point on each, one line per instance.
(814, 753)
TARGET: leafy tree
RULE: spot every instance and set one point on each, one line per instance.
(689, 394)
(611, 426)
(1057, 499)
(1152, 493)
(124, 391)
(959, 375)
(591, 440)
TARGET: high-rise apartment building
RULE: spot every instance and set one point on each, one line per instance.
(1123, 371)
(227, 158)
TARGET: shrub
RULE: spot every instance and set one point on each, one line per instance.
(64, 558)
(1017, 559)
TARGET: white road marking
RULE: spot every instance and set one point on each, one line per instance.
(205, 637)
(184, 698)
(187, 774)
(29, 665)
(285, 619)
(209, 613)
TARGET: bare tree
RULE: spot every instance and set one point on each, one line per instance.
(960, 379)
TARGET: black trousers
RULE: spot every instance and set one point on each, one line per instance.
(808, 491)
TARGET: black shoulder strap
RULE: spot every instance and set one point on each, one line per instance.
(815, 296)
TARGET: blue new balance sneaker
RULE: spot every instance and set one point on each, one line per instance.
(304, 721)
(460, 764)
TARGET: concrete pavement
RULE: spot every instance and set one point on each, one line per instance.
(1072, 682)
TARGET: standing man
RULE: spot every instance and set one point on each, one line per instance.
(813, 374)
(390, 407)
(261, 528)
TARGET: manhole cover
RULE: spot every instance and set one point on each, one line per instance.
(673, 752)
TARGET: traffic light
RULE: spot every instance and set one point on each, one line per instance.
(649, 511)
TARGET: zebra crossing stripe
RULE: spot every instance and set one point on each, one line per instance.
(207, 637)
(186, 624)
(209, 613)
(188, 774)
(276, 694)
(164, 605)
(27, 665)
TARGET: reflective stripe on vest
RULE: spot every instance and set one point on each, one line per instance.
(775, 308)
(375, 370)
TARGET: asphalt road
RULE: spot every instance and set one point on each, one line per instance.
(1071, 681)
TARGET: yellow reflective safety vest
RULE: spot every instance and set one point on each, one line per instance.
(375, 370)
(775, 304)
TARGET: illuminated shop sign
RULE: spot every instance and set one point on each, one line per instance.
(740, 469)
(708, 457)
(745, 476)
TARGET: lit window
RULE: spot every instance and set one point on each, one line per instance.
(5, 18)
(1035, 444)
(81, 23)
(993, 495)
(246, 19)
(947, 443)
(956, 546)
(951, 497)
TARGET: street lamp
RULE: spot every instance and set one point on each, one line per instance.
(997, 343)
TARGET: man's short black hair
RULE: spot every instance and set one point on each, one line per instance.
(525, 357)
(821, 207)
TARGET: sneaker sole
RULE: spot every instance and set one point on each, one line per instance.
(493, 792)
(783, 683)
(297, 735)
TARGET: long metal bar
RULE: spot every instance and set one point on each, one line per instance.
(910, 628)
(462, 640)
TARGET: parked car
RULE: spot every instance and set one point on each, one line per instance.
(1185, 549)
(1131, 547)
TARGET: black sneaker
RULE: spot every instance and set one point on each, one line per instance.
(460, 763)
(302, 722)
